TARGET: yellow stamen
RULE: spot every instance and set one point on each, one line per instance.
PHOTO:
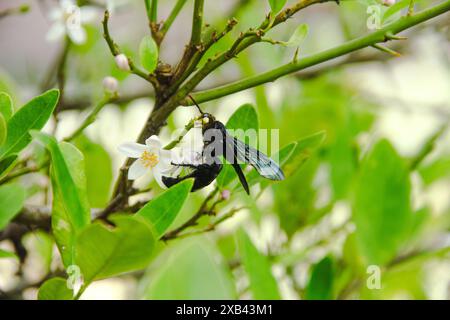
(149, 159)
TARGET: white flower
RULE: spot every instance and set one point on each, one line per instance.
(110, 84)
(122, 62)
(150, 156)
(388, 3)
(68, 19)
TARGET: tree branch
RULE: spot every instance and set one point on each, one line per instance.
(353, 45)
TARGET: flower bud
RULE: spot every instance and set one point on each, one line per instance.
(225, 194)
(110, 84)
(388, 3)
(122, 62)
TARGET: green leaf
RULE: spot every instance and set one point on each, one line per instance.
(161, 211)
(7, 164)
(6, 106)
(148, 53)
(3, 129)
(12, 197)
(70, 211)
(102, 252)
(192, 270)
(381, 205)
(262, 283)
(6, 254)
(276, 5)
(244, 118)
(55, 289)
(320, 285)
(298, 36)
(436, 170)
(99, 172)
(33, 115)
(392, 10)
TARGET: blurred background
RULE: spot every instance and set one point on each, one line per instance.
(306, 227)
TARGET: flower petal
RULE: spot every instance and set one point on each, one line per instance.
(136, 170)
(88, 14)
(157, 175)
(56, 32)
(132, 149)
(153, 142)
(77, 34)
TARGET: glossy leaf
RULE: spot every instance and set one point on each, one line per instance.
(70, 211)
(32, 116)
(7, 164)
(262, 283)
(12, 197)
(381, 206)
(103, 252)
(55, 289)
(320, 285)
(161, 211)
(148, 53)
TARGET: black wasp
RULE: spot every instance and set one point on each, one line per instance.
(217, 142)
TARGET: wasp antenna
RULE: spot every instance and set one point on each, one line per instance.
(196, 104)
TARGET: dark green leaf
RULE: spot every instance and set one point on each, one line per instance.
(7, 164)
(320, 285)
(381, 206)
(262, 283)
(161, 211)
(55, 289)
(12, 197)
(33, 115)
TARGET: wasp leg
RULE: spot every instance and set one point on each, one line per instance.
(188, 165)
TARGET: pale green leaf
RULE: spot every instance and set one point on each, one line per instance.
(12, 197)
(192, 270)
(148, 53)
(6, 254)
(32, 116)
(55, 289)
(298, 36)
(381, 205)
(161, 211)
(6, 106)
(262, 283)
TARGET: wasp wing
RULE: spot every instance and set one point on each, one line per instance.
(265, 166)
